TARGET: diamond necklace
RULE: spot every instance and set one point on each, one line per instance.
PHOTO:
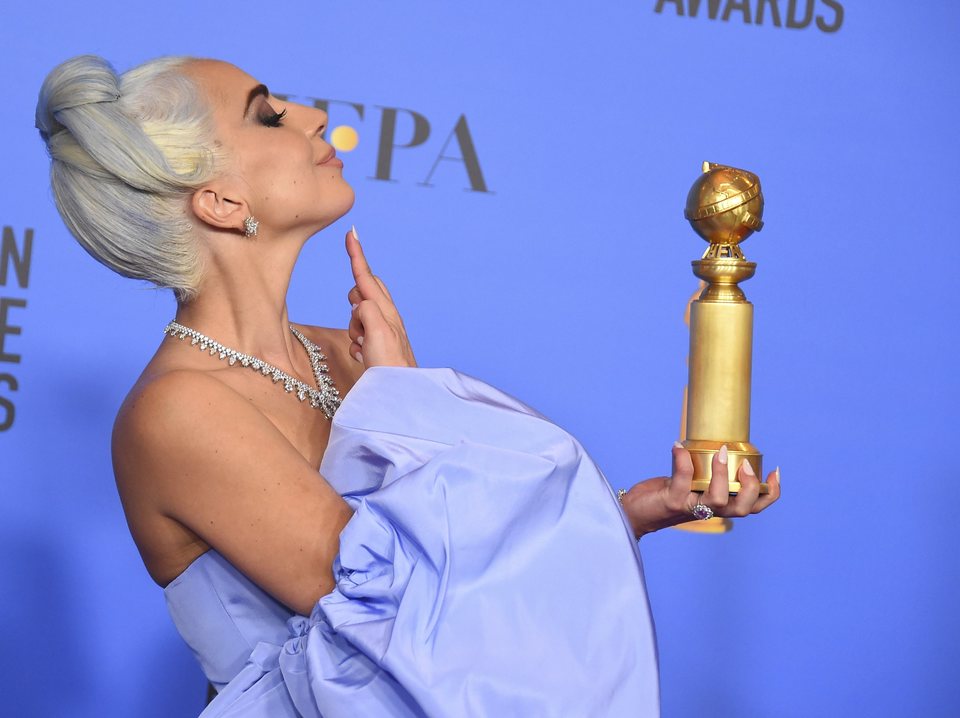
(327, 398)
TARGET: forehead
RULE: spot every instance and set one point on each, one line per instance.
(226, 86)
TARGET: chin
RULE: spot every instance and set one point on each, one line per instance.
(347, 203)
(352, 196)
(335, 208)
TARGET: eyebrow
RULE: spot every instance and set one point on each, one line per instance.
(253, 94)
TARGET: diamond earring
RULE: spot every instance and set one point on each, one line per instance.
(250, 226)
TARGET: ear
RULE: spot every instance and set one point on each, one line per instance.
(212, 205)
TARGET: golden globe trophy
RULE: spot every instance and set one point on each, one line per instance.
(724, 206)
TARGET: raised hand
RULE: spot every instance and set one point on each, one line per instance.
(667, 501)
(376, 329)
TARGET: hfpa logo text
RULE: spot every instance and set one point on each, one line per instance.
(401, 130)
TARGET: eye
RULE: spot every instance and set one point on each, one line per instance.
(273, 120)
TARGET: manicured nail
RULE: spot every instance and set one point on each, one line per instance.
(747, 468)
(777, 472)
(353, 231)
(722, 455)
(677, 445)
(360, 341)
(359, 357)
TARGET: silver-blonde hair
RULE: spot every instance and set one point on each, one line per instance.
(126, 154)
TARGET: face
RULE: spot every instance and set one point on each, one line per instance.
(277, 166)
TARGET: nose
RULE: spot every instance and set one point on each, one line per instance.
(312, 120)
(317, 122)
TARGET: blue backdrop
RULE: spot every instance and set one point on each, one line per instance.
(532, 234)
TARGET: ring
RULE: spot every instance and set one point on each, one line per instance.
(620, 494)
(701, 511)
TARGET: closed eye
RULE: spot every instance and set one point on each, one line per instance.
(274, 120)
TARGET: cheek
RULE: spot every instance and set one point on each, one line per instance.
(276, 151)
(278, 175)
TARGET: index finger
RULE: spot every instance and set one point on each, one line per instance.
(365, 281)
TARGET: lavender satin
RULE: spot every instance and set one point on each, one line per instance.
(487, 571)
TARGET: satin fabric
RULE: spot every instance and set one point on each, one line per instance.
(487, 571)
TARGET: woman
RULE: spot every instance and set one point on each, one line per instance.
(430, 547)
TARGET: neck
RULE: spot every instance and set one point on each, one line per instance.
(242, 304)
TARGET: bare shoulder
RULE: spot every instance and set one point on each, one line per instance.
(163, 406)
(180, 423)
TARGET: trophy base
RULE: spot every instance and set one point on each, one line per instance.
(716, 525)
(702, 453)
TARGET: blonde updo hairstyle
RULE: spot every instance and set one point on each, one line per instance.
(126, 154)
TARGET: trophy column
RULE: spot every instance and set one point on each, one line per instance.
(725, 206)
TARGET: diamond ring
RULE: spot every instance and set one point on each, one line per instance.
(701, 511)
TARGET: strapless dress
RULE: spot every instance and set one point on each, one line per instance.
(488, 570)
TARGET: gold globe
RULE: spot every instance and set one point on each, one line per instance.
(725, 206)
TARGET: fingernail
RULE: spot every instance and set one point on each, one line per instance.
(359, 357)
(723, 454)
(747, 468)
(360, 341)
(677, 445)
(353, 307)
(777, 472)
(353, 231)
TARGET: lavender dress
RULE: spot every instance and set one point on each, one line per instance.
(488, 571)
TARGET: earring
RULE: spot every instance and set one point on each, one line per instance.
(250, 227)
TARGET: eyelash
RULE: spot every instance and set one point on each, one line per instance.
(274, 120)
